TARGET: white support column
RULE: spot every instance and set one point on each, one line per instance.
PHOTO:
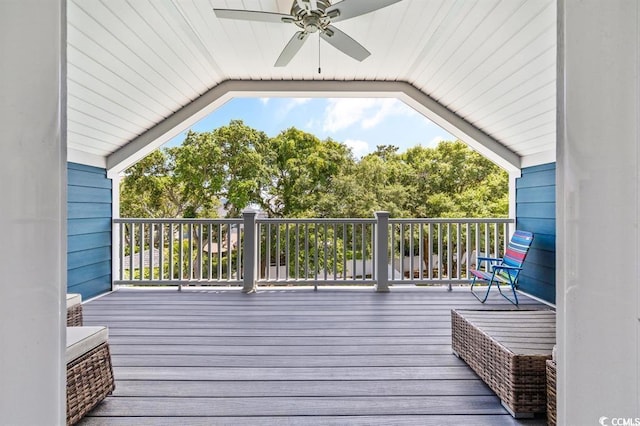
(33, 213)
(115, 228)
(382, 252)
(598, 241)
(250, 252)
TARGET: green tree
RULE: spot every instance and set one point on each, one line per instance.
(151, 189)
(452, 180)
(302, 170)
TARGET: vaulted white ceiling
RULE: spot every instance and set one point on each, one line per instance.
(132, 64)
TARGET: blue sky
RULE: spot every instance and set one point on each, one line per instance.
(361, 123)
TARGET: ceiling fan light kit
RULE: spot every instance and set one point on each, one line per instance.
(313, 16)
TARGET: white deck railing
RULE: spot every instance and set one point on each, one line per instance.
(251, 251)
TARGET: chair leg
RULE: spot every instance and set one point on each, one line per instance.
(486, 295)
(513, 290)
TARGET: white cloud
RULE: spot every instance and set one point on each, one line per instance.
(264, 100)
(289, 105)
(343, 113)
(358, 147)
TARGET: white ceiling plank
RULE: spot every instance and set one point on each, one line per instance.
(102, 112)
(96, 130)
(486, 22)
(542, 157)
(531, 112)
(84, 68)
(134, 63)
(84, 52)
(115, 93)
(519, 99)
(83, 157)
(81, 118)
(505, 80)
(523, 28)
(471, 16)
(99, 23)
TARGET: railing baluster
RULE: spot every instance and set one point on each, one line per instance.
(121, 230)
(151, 251)
(209, 250)
(141, 253)
(468, 249)
(315, 265)
(161, 252)
(268, 251)
(335, 252)
(221, 249)
(393, 251)
(354, 250)
(325, 252)
(496, 240)
(364, 252)
(171, 247)
(297, 252)
(430, 247)
(306, 250)
(344, 252)
(286, 251)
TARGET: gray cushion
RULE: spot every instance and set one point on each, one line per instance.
(81, 340)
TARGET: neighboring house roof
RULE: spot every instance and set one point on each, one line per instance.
(145, 259)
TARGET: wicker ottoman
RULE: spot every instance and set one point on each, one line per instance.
(74, 310)
(509, 351)
(89, 372)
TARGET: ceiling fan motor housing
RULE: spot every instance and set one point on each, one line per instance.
(309, 19)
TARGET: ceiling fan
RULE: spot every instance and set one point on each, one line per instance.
(313, 16)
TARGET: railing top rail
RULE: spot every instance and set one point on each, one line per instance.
(318, 220)
(452, 220)
(178, 220)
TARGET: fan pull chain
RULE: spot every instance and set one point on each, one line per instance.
(319, 68)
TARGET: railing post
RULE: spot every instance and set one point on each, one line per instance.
(249, 252)
(382, 251)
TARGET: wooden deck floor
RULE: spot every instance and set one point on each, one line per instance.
(211, 356)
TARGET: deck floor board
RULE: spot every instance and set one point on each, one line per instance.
(208, 356)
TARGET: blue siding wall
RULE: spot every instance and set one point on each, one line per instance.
(88, 230)
(536, 212)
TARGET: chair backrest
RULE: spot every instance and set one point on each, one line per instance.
(517, 248)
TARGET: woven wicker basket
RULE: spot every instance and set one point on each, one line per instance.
(89, 381)
(551, 393)
(74, 315)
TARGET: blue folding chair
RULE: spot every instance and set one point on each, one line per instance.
(504, 270)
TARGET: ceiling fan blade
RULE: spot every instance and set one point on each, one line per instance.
(252, 15)
(344, 43)
(291, 48)
(351, 8)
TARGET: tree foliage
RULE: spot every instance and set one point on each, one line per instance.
(295, 174)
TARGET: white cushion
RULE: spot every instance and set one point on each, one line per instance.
(81, 340)
(73, 299)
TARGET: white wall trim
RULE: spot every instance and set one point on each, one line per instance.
(182, 119)
(513, 180)
(115, 235)
(538, 159)
(75, 156)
